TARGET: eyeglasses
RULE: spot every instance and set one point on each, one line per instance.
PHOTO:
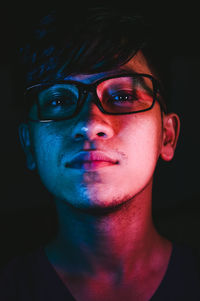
(116, 95)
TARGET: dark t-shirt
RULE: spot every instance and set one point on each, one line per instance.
(32, 277)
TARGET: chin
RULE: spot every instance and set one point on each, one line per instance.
(99, 206)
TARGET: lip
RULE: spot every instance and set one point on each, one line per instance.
(91, 160)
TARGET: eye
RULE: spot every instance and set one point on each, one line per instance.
(59, 96)
(57, 102)
(122, 97)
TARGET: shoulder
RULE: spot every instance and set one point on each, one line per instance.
(182, 279)
(31, 277)
(186, 259)
(17, 276)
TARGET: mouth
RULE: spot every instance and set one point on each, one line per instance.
(91, 165)
(90, 161)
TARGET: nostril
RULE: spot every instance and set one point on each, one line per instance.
(78, 136)
(101, 134)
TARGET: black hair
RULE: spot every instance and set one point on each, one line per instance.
(90, 40)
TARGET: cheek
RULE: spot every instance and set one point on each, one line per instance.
(46, 146)
(142, 143)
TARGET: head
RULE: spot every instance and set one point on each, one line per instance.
(104, 43)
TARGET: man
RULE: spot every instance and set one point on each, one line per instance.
(95, 125)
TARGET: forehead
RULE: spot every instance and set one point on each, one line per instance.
(138, 64)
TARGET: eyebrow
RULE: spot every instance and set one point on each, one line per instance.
(92, 78)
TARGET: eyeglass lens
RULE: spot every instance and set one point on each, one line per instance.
(117, 95)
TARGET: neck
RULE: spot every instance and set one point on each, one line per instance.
(120, 240)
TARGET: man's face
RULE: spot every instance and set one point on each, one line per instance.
(133, 140)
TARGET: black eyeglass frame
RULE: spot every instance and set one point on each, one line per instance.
(84, 89)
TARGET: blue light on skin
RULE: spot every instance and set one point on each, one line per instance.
(89, 241)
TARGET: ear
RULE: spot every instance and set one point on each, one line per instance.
(171, 129)
(24, 135)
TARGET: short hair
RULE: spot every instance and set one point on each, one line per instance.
(91, 40)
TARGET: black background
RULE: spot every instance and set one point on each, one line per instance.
(27, 216)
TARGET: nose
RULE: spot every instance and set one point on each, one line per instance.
(92, 130)
(92, 124)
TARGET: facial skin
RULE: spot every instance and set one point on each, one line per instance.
(135, 140)
(101, 256)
